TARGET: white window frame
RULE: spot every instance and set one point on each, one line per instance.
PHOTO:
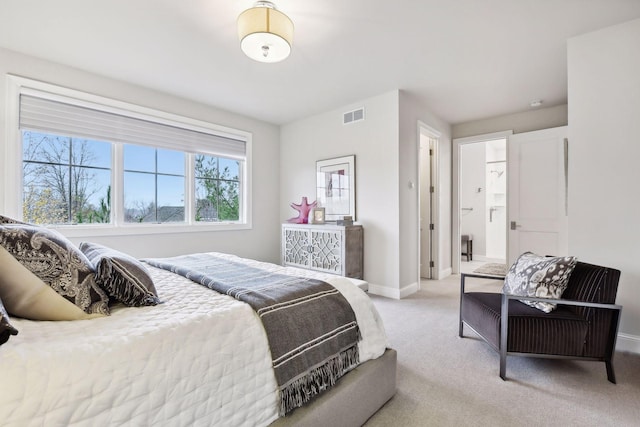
(17, 85)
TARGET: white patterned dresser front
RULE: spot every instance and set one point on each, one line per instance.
(329, 248)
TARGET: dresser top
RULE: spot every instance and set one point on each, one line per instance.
(326, 226)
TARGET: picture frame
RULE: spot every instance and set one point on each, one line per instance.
(317, 216)
(336, 187)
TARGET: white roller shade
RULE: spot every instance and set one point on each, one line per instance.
(67, 119)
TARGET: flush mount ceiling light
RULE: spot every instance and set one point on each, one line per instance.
(266, 34)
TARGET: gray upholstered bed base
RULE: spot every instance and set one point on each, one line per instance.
(358, 396)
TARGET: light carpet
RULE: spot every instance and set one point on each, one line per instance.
(493, 269)
(444, 380)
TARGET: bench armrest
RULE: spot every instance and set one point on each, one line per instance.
(560, 301)
(463, 276)
(478, 276)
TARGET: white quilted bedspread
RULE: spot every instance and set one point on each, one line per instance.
(199, 359)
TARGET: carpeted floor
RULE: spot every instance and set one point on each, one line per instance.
(444, 380)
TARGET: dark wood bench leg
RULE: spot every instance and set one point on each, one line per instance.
(611, 375)
(611, 347)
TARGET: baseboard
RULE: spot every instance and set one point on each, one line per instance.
(443, 274)
(362, 284)
(385, 291)
(408, 290)
(628, 343)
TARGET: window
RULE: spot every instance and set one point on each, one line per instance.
(154, 182)
(217, 186)
(65, 180)
(88, 160)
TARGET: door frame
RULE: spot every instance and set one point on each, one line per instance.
(425, 130)
(455, 198)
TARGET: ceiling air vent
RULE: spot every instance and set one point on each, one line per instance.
(353, 116)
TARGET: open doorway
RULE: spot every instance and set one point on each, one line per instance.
(483, 191)
(480, 204)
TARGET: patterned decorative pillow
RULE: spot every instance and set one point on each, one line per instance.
(57, 262)
(123, 277)
(25, 295)
(7, 220)
(6, 329)
(536, 276)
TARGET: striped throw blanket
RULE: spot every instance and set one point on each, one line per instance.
(311, 328)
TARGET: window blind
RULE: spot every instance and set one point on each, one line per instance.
(67, 119)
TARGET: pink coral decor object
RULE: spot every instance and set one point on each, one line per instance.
(303, 211)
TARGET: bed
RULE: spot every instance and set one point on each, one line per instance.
(197, 358)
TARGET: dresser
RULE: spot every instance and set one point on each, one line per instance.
(328, 248)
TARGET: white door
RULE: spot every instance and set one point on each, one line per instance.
(425, 207)
(537, 192)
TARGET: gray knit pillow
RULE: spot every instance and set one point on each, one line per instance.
(536, 276)
(123, 277)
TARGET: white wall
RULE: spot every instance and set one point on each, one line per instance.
(411, 111)
(374, 142)
(385, 145)
(261, 242)
(526, 121)
(604, 128)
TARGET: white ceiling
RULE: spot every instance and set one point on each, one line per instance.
(465, 59)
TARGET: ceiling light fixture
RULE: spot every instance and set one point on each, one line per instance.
(535, 103)
(266, 34)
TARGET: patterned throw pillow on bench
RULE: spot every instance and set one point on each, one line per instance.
(537, 276)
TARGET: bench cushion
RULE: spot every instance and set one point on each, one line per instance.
(530, 330)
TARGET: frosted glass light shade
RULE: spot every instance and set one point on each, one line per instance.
(266, 34)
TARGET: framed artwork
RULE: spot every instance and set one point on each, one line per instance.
(317, 216)
(336, 187)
